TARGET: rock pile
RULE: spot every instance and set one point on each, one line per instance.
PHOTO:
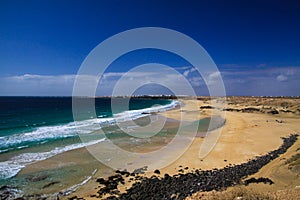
(252, 110)
(259, 180)
(182, 185)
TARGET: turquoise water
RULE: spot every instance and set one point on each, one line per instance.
(38, 128)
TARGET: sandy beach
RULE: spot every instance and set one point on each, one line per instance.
(149, 100)
(250, 130)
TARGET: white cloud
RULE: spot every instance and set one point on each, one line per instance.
(43, 78)
(182, 68)
(187, 72)
(281, 78)
(62, 85)
(263, 81)
(37, 85)
(272, 81)
(214, 75)
(196, 81)
(213, 78)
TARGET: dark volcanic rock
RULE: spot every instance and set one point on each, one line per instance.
(259, 180)
(286, 111)
(181, 185)
(101, 181)
(140, 170)
(250, 109)
(231, 109)
(126, 173)
(75, 198)
(207, 107)
(110, 184)
(273, 112)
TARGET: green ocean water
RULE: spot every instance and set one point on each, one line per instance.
(37, 132)
(37, 128)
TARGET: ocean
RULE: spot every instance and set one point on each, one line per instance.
(37, 128)
(41, 152)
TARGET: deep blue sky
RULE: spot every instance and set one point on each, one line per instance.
(247, 39)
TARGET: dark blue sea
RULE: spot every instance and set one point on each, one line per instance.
(37, 128)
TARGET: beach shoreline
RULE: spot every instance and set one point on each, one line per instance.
(245, 135)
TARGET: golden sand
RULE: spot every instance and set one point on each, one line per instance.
(245, 134)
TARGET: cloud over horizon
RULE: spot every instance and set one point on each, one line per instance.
(274, 81)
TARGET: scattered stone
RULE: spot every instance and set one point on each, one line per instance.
(111, 184)
(279, 121)
(273, 112)
(232, 109)
(112, 198)
(259, 180)
(167, 176)
(184, 185)
(141, 170)
(286, 111)
(157, 171)
(101, 181)
(145, 113)
(123, 173)
(207, 107)
(75, 198)
(250, 109)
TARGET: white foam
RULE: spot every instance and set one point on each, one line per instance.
(4, 150)
(41, 133)
(73, 128)
(46, 133)
(12, 166)
(134, 114)
(75, 187)
(22, 147)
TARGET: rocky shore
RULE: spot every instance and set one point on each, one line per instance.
(182, 185)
